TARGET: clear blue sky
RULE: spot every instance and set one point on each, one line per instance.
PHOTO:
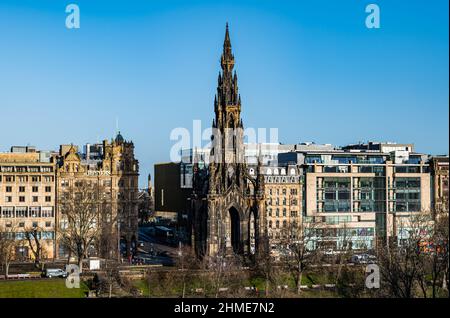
(310, 68)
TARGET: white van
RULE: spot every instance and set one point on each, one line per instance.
(55, 272)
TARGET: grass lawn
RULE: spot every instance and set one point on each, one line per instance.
(142, 285)
(49, 288)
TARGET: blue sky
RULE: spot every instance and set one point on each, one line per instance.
(310, 68)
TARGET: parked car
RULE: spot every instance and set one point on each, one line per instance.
(363, 259)
(54, 272)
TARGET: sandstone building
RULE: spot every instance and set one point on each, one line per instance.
(115, 170)
(27, 198)
(33, 183)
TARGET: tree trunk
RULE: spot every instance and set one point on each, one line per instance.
(80, 264)
(267, 287)
(423, 287)
(299, 282)
(434, 285)
(444, 280)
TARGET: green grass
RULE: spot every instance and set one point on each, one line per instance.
(142, 285)
(49, 288)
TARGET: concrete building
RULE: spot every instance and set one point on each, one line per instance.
(27, 198)
(365, 191)
(173, 187)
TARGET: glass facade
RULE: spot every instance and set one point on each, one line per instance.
(369, 194)
(336, 194)
(407, 194)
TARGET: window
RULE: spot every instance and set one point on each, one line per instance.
(35, 189)
(21, 224)
(64, 183)
(48, 189)
(8, 199)
(8, 189)
(47, 212)
(48, 199)
(35, 212)
(7, 212)
(407, 194)
(407, 169)
(35, 224)
(21, 199)
(336, 195)
(21, 189)
(21, 212)
(48, 224)
(35, 199)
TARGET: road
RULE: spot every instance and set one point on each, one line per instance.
(155, 251)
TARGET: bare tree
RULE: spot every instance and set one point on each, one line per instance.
(187, 262)
(227, 272)
(438, 255)
(8, 245)
(403, 263)
(84, 207)
(265, 263)
(111, 278)
(300, 249)
(33, 237)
